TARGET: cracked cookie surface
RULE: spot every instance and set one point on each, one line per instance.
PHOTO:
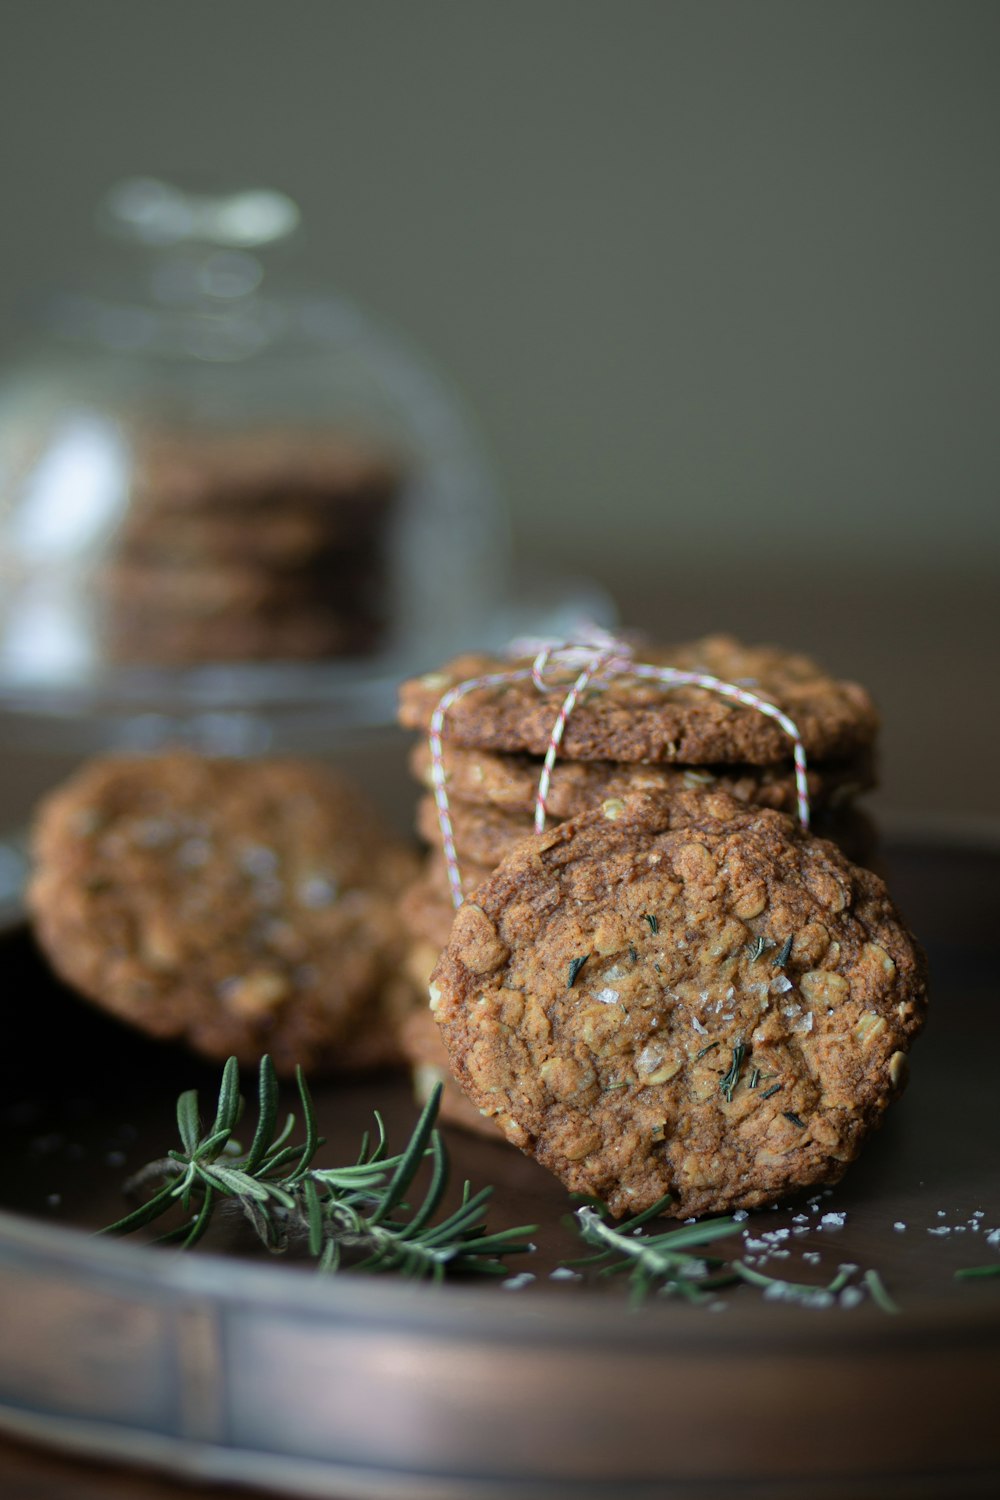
(635, 720)
(681, 996)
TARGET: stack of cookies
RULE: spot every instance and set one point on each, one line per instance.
(624, 738)
(267, 546)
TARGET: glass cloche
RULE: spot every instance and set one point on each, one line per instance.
(223, 494)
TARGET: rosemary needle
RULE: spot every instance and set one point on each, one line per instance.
(674, 1263)
(354, 1214)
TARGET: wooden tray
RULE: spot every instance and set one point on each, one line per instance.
(260, 1373)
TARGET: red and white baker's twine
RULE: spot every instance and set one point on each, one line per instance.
(601, 658)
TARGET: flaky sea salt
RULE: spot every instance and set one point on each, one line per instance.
(833, 1221)
(515, 1283)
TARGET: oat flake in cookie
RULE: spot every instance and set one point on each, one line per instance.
(681, 996)
(242, 907)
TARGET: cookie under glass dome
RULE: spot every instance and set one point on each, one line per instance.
(227, 500)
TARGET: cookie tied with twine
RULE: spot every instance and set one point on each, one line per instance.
(628, 716)
(563, 674)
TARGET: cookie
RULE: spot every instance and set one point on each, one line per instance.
(509, 783)
(428, 1060)
(485, 836)
(681, 996)
(239, 906)
(426, 907)
(151, 639)
(215, 472)
(632, 720)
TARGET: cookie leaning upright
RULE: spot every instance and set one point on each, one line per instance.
(241, 906)
(681, 995)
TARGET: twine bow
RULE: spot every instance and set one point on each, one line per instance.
(597, 657)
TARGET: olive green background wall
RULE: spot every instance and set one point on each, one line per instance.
(720, 279)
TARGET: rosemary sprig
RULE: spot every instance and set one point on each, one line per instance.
(662, 1261)
(666, 1262)
(354, 1214)
(967, 1273)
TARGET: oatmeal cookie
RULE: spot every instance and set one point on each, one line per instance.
(425, 1052)
(509, 783)
(244, 907)
(426, 908)
(630, 720)
(685, 996)
(485, 836)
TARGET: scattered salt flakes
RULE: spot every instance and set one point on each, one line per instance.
(820, 1298)
(54, 1200)
(776, 1291)
(833, 1221)
(941, 1229)
(814, 1198)
(978, 1213)
(515, 1283)
(941, 1213)
(740, 1215)
(801, 1219)
(754, 1244)
(258, 860)
(699, 1028)
(959, 1228)
(194, 853)
(607, 996)
(152, 833)
(851, 1296)
(730, 993)
(717, 1307)
(781, 984)
(973, 1223)
(806, 1024)
(812, 1256)
(564, 1273)
(690, 1221)
(899, 1225)
(993, 1238)
(317, 891)
(780, 1254)
(801, 1229)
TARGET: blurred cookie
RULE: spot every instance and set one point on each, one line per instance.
(485, 836)
(634, 720)
(682, 996)
(510, 782)
(428, 1060)
(242, 907)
